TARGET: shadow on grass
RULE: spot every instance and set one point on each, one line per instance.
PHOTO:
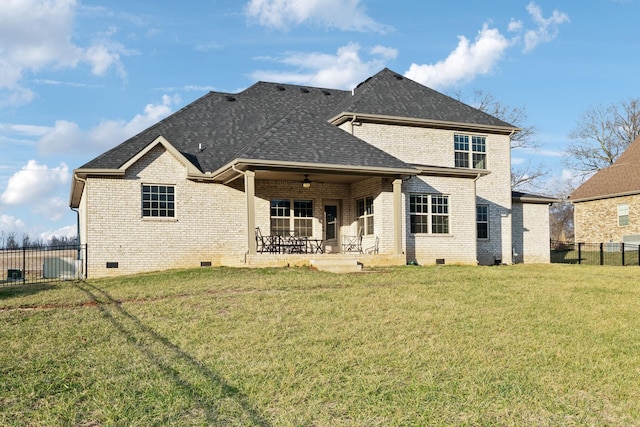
(174, 362)
(13, 289)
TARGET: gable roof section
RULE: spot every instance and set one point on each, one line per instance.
(267, 121)
(390, 97)
(622, 178)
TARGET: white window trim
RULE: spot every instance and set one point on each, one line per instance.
(430, 214)
(488, 222)
(623, 211)
(173, 218)
(470, 151)
(366, 217)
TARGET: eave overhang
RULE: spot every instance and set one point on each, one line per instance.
(80, 175)
(535, 200)
(237, 167)
(407, 121)
(450, 172)
(606, 196)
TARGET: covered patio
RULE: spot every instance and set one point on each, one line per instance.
(298, 212)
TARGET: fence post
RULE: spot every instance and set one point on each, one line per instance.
(601, 253)
(24, 264)
(622, 249)
(580, 253)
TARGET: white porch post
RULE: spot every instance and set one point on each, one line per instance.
(250, 193)
(397, 216)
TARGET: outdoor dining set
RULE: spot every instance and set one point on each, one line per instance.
(287, 244)
(291, 243)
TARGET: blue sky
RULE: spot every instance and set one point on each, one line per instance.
(78, 77)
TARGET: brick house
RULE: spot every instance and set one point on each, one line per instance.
(606, 206)
(410, 173)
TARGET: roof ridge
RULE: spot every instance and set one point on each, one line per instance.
(267, 132)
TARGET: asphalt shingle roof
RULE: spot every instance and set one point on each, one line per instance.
(391, 94)
(622, 177)
(271, 121)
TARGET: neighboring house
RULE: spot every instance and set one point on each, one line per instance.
(607, 205)
(412, 173)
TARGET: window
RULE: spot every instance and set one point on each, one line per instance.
(477, 150)
(429, 213)
(364, 210)
(461, 148)
(623, 215)
(285, 220)
(158, 201)
(482, 221)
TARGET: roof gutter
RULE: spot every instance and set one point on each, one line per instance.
(608, 196)
(240, 165)
(398, 120)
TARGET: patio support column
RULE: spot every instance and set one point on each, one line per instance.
(250, 193)
(397, 216)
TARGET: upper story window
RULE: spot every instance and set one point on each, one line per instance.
(429, 213)
(470, 154)
(364, 210)
(289, 216)
(158, 201)
(623, 215)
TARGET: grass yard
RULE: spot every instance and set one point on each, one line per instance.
(537, 345)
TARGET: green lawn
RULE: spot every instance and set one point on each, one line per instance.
(538, 345)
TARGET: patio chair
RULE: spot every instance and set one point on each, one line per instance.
(266, 243)
(352, 243)
(373, 249)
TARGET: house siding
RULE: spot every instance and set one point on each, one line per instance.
(531, 233)
(119, 234)
(596, 221)
(435, 147)
(459, 245)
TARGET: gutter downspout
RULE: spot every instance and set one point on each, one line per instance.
(353, 123)
(475, 197)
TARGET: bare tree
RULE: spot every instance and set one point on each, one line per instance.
(516, 116)
(561, 221)
(601, 135)
(523, 176)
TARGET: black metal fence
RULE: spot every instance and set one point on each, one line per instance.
(595, 253)
(42, 264)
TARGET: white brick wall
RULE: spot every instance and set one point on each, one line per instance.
(210, 218)
(435, 147)
(531, 233)
(457, 247)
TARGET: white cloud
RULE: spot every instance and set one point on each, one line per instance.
(66, 231)
(34, 182)
(348, 15)
(66, 136)
(481, 57)
(343, 70)
(547, 28)
(37, 34)
(10, 223)
(467, 61)
(54, 209)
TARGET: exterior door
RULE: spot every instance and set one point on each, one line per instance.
(331, 228)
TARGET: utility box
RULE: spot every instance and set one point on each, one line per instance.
(62, 268)
(14, 274)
